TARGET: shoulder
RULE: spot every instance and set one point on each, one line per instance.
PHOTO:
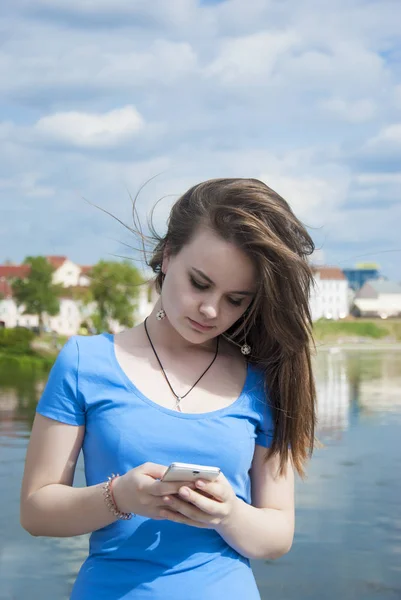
(92, 343)
(83, 353)
(257, 389)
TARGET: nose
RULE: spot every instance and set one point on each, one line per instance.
(208, 310)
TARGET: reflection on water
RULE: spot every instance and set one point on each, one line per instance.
(348, 532)
(333, 395)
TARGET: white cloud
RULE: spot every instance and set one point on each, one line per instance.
(390, 134)
(97, 96)
(314, 199)
(371, 227)
(179, 10)
(244, 60)
(382, 152)
(368, 179)
(91, 130)
(357, 111)
(28, 185)
(340, 64)
(68, 63)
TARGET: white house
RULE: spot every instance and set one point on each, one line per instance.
(66, 272)
(72, 312)
(379, 298)
(329, 297)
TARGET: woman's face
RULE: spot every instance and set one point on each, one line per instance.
(208, 286)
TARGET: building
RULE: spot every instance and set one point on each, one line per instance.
(330, 295)
(359, 275)
(72, 312)
(378, 298)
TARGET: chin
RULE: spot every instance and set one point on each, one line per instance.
(194, 336)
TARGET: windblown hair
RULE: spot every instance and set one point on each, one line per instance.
(277, 325)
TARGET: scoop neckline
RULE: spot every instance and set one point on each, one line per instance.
(170, 411)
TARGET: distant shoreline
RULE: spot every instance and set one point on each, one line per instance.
(332, 346)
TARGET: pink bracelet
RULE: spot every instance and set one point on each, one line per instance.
(110, 500)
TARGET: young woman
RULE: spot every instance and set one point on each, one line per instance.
(218, 374)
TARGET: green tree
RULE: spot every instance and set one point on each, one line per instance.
(36, 292)
(115, 288)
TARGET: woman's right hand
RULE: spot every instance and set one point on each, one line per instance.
(140, 490)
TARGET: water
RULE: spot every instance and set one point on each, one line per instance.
(348, 528)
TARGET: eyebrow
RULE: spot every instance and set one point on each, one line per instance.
(242, 293)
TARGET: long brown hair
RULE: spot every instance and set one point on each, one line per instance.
(277, 325)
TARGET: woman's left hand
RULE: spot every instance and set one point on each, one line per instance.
(192, 507)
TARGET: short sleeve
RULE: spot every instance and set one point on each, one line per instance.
(264, 429)
(60, 399)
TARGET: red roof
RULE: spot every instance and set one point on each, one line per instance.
(86, 269)
(56, 261)
(5, 289)
(329, 273)
(11, 271)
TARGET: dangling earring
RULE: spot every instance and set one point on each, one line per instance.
(161, 314)
(245, 348)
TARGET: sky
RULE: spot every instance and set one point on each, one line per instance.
(98, 97)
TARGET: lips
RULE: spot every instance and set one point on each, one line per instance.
(200, 326)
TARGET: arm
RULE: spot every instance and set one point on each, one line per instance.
(50, 506)
(264, 529)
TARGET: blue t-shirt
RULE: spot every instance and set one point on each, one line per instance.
(144, 558)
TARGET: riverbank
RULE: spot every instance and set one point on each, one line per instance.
(367, 345)
(357, 335)
(330, 336)
(357, 331)
(27, 361)
(20, 348)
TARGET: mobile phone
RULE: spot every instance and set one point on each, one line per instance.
(188, 472)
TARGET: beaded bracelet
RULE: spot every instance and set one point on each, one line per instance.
(110, 501)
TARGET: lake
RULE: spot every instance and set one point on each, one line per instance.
(348, 526)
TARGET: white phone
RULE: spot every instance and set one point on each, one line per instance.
(188, 472)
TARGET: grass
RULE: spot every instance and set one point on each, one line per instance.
(347, 329)
(48, 338)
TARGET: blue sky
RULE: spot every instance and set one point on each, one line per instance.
(98, 97)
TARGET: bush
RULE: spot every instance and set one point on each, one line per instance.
(16, 341)
(14, 366)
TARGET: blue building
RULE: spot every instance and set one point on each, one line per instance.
(360, 274)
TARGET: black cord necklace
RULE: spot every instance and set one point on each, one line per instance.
(179, 398)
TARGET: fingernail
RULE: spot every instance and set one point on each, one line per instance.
(200, 484)
(166, 499)
(184, 492)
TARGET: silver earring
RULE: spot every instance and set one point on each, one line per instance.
(161, 314)
(245, 349)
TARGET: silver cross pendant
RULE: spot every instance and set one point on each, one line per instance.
(177, 403)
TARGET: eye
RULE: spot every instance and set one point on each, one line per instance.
(235, 302)
(197, 285)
